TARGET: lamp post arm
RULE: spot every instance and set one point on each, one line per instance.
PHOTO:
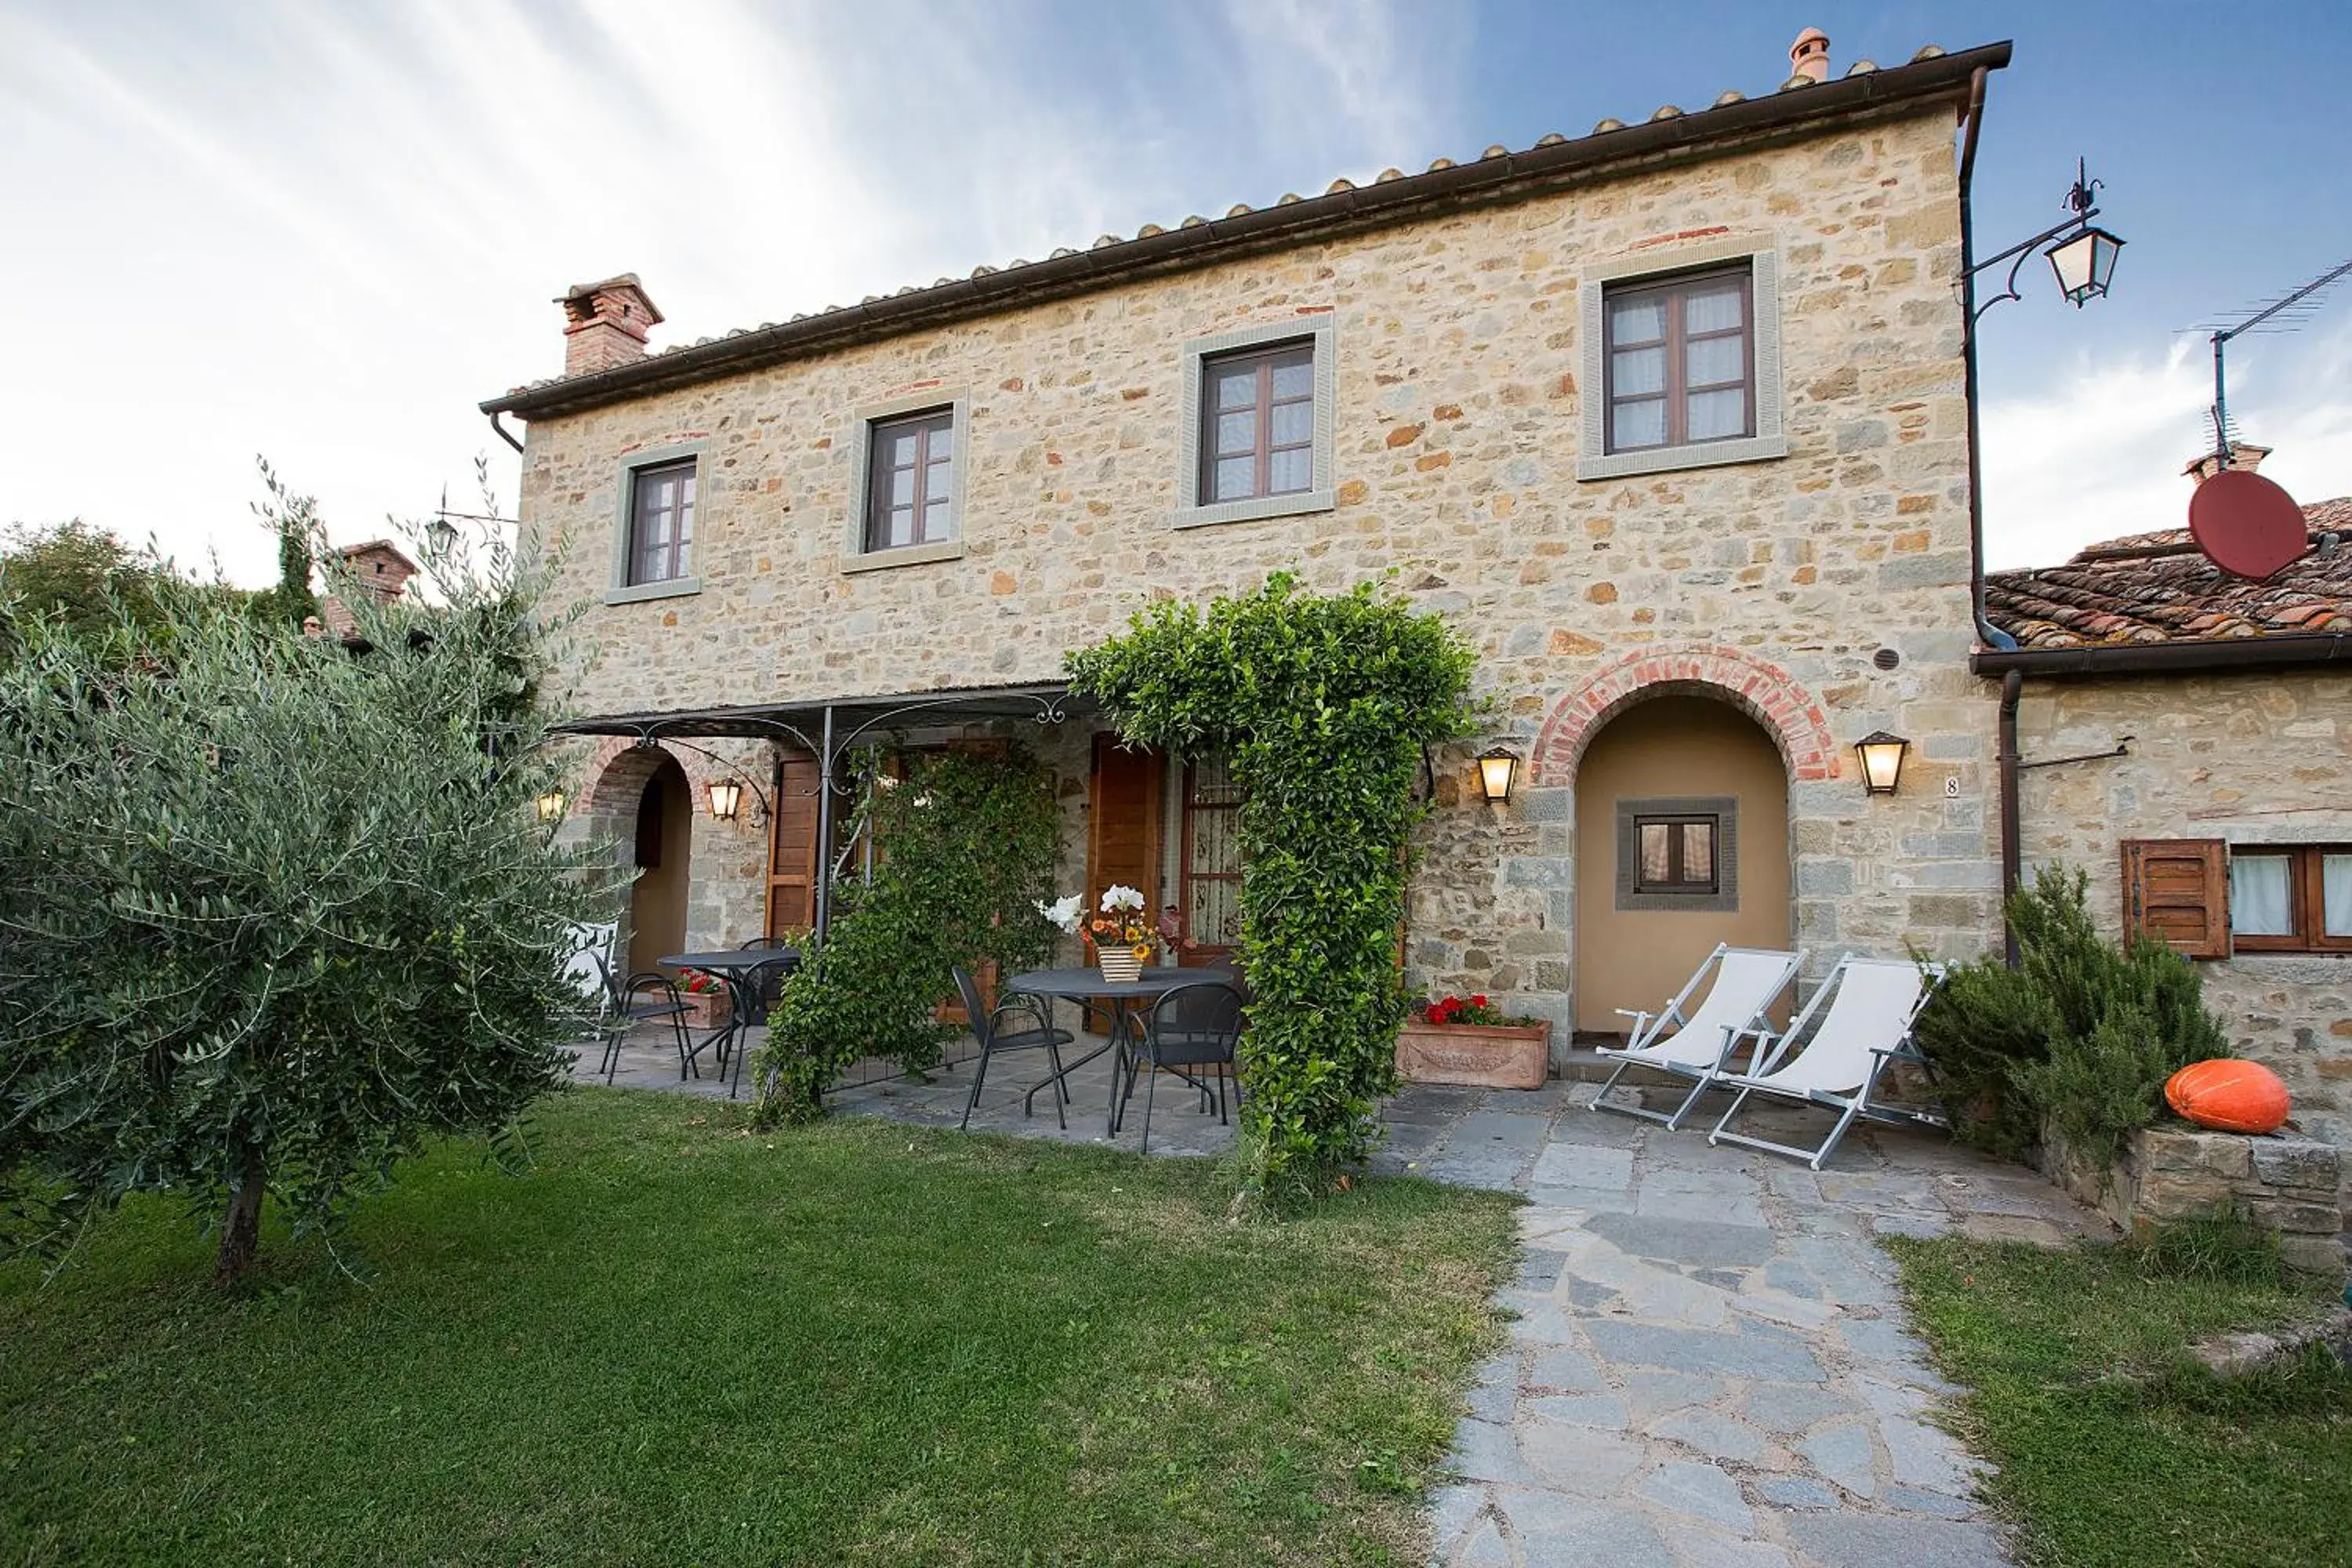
(2016, 256)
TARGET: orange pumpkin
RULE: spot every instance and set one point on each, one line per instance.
(2227, 1094)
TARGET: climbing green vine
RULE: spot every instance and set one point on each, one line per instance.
(1323, 703)
(964, 847)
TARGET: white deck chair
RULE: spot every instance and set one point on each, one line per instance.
(1873, 1003)
(1747, 982)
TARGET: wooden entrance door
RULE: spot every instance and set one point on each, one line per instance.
(791, 845)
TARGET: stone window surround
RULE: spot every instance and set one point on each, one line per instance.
(1725, 809)
(621, 591)
(855, 556)
(1321, 495)
(1594, 459)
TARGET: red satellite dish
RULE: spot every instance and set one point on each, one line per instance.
(2246, 524)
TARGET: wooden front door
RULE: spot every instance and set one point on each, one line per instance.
(1122, 826)
(792, 846)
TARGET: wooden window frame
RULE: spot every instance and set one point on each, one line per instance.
(1189, 806)
(2306, 900)
(1677, 391)
(1264, 446)
(1676, 884)
(675, 558)
(935, 442)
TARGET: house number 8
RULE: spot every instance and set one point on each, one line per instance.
(1951, 786)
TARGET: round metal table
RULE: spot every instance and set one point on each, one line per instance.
(1083, 986)
(734, 967)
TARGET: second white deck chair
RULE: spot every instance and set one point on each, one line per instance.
(1747, 981)
(1873, 1003)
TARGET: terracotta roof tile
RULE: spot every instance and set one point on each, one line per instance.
(2158, 587)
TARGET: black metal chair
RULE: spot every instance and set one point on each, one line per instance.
(987, 1028)
(622, 1011)
(1190, 1028)
(765, 985)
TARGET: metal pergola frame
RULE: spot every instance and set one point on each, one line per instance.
(830, 729)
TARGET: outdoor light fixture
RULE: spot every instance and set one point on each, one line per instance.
(726, 799)
(2084, 264)
(1495, 771)
(1882, 760)
(2084, 257)
(551, 806)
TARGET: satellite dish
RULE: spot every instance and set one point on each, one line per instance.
(2247, 525)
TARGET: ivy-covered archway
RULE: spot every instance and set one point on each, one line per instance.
(1323, 702)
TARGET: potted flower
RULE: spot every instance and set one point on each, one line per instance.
(1119, 933)
(1470, 1041)
(708, 1003)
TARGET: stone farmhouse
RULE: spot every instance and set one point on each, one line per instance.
(1673, 420)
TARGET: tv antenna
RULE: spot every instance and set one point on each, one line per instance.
(2279, 315)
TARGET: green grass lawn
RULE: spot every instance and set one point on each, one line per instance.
(678, 1342)
(2113, 1448)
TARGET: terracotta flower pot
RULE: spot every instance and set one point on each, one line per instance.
(1477, 1056)
(706, 1009)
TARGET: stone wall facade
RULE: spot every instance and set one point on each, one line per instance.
(1769, 584)
(2287, 1186)
(2250, 758)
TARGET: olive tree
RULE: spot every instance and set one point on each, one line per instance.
(274, 909)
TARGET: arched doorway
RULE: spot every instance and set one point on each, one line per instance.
(1681, 842)
(661, 841)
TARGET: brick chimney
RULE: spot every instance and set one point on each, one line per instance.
(605, 325)
(1809, 57)
(2242, 455)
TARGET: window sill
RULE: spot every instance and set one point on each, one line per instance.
(905, 555)
(668, 588)
(1666, 459)
(1253, 511)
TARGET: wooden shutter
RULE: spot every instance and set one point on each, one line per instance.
(792, 846)
(2178, 889)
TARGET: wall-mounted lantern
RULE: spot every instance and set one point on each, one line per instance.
(551, 806)
(1495, 773)
(726, 799)
(2081, 253)
(1882, 760)
(2083, 265)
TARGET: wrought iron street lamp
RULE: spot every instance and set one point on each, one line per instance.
(2084, 257)
(551, 806)
(1495, 771)
(726, 799)
(1882, 760)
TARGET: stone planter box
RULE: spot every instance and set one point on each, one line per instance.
(1478, 1056)
(2282, 1181)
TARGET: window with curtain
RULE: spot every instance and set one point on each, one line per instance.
(1681, 362)
(911, 485)
(2291, 898)
(1257, 424)
(661, 523)
(1211, 885)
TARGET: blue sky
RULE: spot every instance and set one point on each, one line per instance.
(323, 233)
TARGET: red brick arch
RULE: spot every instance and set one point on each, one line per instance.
(1766, 692)
(617, 770)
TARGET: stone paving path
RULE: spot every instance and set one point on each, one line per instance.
(1710, 1363)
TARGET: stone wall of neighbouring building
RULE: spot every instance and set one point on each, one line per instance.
(2252, 758)
(1458, 395)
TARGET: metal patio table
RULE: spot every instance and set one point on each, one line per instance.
(1083, 986)
(734, 967)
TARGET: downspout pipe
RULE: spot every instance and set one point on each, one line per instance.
(2012, 838)
(2012, 683)
(504, 434)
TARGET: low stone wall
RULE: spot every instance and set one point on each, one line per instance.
(2284, 1183)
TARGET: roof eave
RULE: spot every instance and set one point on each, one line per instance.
(2178, 657)
(1711, 133)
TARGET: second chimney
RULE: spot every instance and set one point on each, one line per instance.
(2242, 455)
(605, 325)
(1809, 57)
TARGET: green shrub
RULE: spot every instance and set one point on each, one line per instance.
(2078, 1039)
(1323, 702)
(2226, 1249)
(964, 847)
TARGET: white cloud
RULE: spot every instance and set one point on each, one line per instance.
(323, 233)
(2099, 453)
